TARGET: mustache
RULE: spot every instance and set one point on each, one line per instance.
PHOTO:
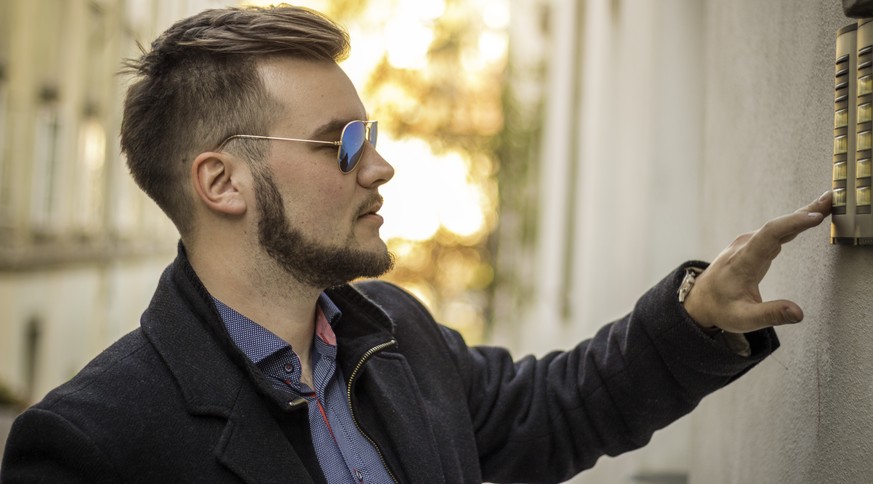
(374, 200)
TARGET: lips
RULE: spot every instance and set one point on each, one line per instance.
(371, 207)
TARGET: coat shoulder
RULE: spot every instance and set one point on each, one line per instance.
(130, 359)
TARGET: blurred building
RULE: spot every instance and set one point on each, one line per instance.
(81, 247)
(612, 188)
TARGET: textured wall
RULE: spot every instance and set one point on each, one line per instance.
(730, 105)
(805, 415)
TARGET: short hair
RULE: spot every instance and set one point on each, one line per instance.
(199, 84)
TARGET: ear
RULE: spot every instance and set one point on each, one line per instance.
(216, 178)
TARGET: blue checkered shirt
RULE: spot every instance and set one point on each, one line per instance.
(344, 454)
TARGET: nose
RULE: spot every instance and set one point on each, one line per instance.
(373, 170)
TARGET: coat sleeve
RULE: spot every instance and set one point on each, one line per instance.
(45, 447)
(547, 419)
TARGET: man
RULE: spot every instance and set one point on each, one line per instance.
(257, 362)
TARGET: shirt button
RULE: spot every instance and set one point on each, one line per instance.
(289, 367)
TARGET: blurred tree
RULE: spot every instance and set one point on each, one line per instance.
(454, 102)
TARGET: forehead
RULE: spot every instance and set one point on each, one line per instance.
(311, 92)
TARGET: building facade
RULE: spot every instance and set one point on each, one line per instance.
(81, 247)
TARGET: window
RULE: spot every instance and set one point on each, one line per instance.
(5, 168)
(90, 176)
(31, 346)
(43, 210)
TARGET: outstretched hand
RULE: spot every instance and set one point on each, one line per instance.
(726, 294)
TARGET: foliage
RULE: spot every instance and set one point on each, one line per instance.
(455, 103)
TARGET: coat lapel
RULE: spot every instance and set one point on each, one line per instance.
(393, 404)
(181, 325)
(254, 448)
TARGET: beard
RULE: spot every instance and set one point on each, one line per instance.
(310, 262)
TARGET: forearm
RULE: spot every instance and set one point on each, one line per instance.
(553, 417)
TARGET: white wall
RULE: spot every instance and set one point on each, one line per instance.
(806, 415)
(620, 189)
(80, 311)
(698, 121)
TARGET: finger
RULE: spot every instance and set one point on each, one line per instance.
(773, 313)
(816, 211)
(767, 241)
(821, 205)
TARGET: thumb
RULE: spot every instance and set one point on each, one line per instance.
(774, 313)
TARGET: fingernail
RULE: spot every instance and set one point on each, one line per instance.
(790, 316)
(824, 196)
(815, 215)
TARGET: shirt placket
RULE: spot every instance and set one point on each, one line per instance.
(324, 372)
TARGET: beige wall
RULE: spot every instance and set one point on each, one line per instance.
(697, 121)
(806, 415)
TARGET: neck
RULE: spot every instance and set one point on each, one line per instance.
(260, 291)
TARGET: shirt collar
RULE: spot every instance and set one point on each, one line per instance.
(257, 342)
(331, 311)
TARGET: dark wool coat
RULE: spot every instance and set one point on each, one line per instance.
(175, 401)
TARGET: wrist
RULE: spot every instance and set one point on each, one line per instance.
(688, 299)
(691, 274)
(737, 343)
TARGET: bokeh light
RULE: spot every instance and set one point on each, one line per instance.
(428, 192)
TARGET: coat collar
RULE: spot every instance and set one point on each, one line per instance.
(216, 379)
(186, 328)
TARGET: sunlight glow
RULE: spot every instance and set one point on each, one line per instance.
(428, 191)
(493, 47)
(408, 43)
(496, 14)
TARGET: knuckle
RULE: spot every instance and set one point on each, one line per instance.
(743, 238)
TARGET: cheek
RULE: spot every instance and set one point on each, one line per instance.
(316, 194)
(335, 201)
(320, 202)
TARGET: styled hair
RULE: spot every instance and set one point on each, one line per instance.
(199, 84)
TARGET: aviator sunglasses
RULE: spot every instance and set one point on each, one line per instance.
(350, 145)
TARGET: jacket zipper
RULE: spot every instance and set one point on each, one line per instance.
(372, 351)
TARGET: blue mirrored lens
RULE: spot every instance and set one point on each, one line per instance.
(352, 144)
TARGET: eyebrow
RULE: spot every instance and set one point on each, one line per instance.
(333, 126)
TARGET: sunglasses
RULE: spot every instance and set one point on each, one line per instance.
(350, 145)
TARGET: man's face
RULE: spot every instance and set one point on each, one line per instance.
(318, 223)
